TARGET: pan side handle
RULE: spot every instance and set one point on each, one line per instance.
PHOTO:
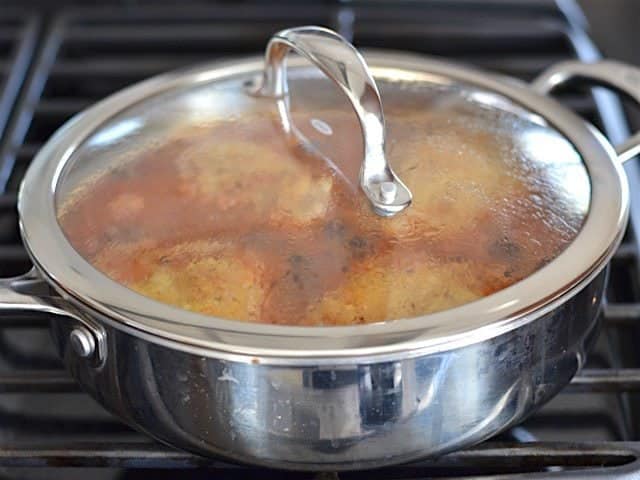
(28, 296)
(618, 76)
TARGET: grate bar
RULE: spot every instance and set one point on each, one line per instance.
(606, 380)
(9, 34)
(626, 252)
(484, 37)
(251, 12)
(499, 456)
(13, 322)
(230, 32)
(13, 251)
(55, 381)
(623, 314)
(19, 42)
(486, 28)
(130, 67)
(30, 149)
(58, 106)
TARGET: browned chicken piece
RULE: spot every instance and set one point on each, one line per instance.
(210, 277)
(456, 174)
(236, 174)
(403, 287)
(238, 221)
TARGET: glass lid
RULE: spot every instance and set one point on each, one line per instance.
(273, 207)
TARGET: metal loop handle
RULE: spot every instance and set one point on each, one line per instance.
(618, 76)
(29, 295)
(342, 63)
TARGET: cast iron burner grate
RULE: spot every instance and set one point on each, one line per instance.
(88, 53)
(17, 40)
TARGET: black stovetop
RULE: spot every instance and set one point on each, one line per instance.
(56, 60)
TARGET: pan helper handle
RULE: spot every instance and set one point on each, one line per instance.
(616, 75)
(342, 63)
(29, 296)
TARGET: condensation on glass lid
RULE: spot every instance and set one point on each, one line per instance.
(230, 218)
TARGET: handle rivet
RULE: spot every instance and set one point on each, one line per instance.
(388, 192)
(82, 342)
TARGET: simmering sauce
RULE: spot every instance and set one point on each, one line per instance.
(237, 221)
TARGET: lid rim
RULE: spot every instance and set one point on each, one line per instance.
(68, 271)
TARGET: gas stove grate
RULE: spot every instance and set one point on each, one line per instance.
(87, 54)
(18, 34)
(486, 459)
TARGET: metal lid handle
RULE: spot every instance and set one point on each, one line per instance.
(342, 63)
(619, 76)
